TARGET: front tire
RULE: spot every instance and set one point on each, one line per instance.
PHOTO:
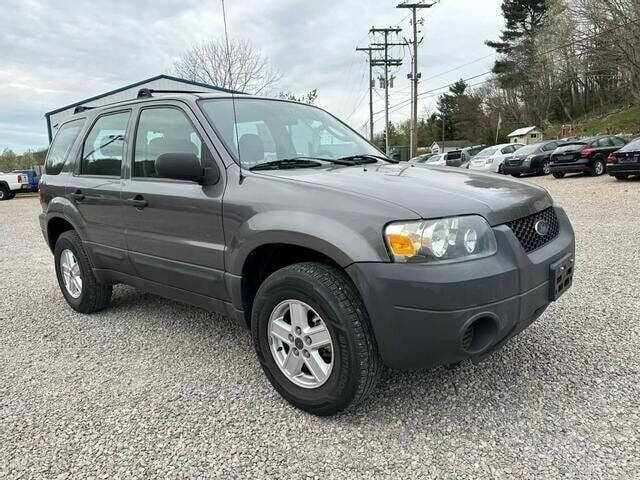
(558, 174)
(622, 176)
(516, 175)
(5, 194)
(337, 368)
(78, 284)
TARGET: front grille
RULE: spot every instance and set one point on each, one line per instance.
(525, 230)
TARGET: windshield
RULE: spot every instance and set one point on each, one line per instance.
(528, 149)
(487, 152)
(271, 131)
(434, 159)
(632, 146)
(569, 148)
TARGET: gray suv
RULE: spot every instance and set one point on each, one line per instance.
(277, 214)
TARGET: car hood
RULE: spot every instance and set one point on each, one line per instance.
(432, 192)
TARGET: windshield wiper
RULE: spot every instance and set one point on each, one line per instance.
(297, 162)
(365, 158)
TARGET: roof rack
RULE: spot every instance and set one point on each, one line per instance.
(81, 108)
(148, 92)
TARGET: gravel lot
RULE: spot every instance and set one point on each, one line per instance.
(153, 388)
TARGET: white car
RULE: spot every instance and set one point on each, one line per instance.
(436, 160)
(11, 183)
(491, 159)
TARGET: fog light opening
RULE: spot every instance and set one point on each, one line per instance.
(479, 334)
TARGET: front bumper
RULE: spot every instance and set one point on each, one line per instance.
(420, 313)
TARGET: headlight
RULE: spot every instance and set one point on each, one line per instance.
(444, 240)
(527, 161)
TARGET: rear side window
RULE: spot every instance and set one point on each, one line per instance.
(618, 142)
(550, 146)
(162, 130)
(103, 148)
(61, 146)
(605, 142)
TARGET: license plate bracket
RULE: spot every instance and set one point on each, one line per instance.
(561, 276)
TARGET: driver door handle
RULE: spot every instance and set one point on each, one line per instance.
(138, 201)
(78, 196)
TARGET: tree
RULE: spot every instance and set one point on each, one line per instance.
(310, 97)
(242, 67)
(448, 106)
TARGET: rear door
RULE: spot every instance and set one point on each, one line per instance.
(95, 187)
(173, 227)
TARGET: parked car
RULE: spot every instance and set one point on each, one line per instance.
(32, 178)
(531, 159)
(437, 160)
(453, 158)
(626, 161)
(588, 155)
(337, 263)
(421, 158)
(12, 183)
(491, 159)
(469, 152)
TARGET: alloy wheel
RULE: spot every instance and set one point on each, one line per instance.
(300, 343)
(71, 275)
(546, 168)
(599, 168)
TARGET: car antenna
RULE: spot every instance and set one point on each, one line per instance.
(233, 98)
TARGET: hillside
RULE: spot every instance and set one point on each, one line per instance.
(623, 121)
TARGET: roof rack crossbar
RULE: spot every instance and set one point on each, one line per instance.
(148, 92)
(81, 108)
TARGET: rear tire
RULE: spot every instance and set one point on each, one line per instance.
(558, 174)
(4, 193)
(598, 168)
(90, 295)
(516, 175)
(622, 176)
(353, 364)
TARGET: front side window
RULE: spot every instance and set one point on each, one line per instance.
(162, 130)
(268, 130)
(61, 146)
(103, 148)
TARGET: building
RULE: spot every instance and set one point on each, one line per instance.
(449, 145)
(526, 136)
(160, 82)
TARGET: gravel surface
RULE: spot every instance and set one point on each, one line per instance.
(153, 388)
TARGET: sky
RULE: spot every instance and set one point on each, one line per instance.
(56, 53)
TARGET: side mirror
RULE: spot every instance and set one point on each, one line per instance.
(186, 166)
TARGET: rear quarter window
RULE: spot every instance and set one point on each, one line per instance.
(61, 146)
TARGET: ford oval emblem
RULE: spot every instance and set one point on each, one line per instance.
(542, 228)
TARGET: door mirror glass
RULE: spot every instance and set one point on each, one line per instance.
(179, 166)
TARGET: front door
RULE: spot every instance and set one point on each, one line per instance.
(95, 191)
(173, 227)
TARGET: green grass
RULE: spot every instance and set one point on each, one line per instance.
(623, 120)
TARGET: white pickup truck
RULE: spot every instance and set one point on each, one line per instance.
(12, 183)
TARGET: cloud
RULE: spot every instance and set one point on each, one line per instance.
(56, 53)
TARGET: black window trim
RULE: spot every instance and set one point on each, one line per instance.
(71, 149)
(132, 160)
(78, 170)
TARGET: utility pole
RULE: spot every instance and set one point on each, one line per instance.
(415, 76)
(386, 62)
(369, 50)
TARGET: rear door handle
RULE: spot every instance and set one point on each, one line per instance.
(78, 196)
(138, 201)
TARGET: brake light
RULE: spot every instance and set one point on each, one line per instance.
(612, 159)
(586, 151)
